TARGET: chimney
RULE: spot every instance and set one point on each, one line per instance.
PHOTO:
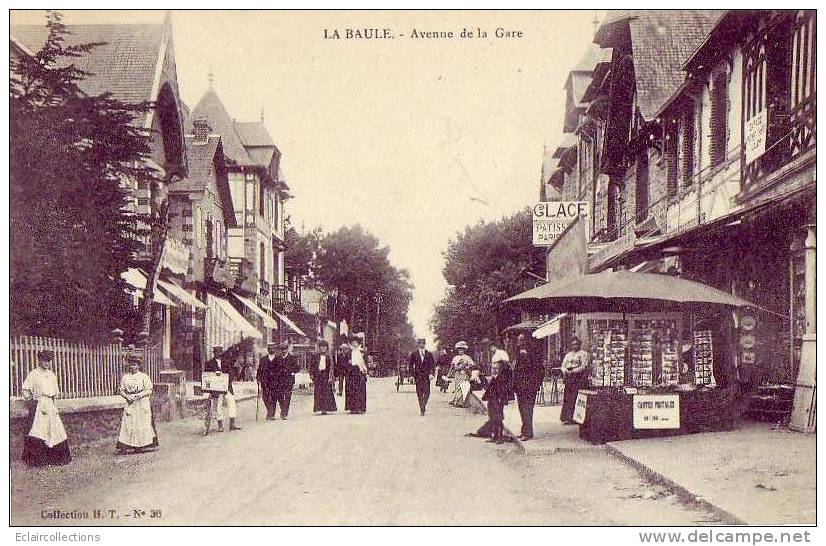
(202, 130)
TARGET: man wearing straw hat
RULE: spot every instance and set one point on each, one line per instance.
(219, 365)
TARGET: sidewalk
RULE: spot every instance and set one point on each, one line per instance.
(549, 434)
(757, 474)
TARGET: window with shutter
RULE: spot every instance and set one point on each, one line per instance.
(719, 111)
(641, 190)
(687, 145)
(672, 135)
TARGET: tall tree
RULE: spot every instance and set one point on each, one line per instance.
(367, 291)
(483, 266)
(71, 232)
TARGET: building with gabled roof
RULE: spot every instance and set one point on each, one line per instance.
(258, 193)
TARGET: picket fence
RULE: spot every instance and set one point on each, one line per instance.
(83, 370)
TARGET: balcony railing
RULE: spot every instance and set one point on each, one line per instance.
(280, 296)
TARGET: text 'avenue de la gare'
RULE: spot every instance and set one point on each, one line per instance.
(420, 34)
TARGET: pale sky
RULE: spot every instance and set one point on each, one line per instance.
(409, 137)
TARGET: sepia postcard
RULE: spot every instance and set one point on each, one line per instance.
(413, 268)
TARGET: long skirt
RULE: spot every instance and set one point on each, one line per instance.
(323, 397)
(356, 393)
(35, 450)
(573, 383)
(137, 426)
(460, 393)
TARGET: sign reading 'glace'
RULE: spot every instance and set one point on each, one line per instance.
(552, 218)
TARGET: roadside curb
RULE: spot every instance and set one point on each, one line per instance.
(682, 492)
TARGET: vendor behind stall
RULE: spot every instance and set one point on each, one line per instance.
(575, 371)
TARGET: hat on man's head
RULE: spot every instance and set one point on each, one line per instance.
(461, 345)
(283, 345)
(272, 344)
(421, 340)
(217, 347)
(45, 355)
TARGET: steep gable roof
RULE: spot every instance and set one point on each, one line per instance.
(254, 133)
(662, 41)
(212, 109)
(205, 162)
(125, 65)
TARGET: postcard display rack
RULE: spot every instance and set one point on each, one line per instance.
(637, 351)
(638, 355)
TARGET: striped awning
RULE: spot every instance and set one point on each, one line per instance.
(269, 322)
(291, 324)
(241, 324)
(181, 293)
(137, 279)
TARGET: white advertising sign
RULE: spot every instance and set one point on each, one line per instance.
(580, 408)
(212, 382)
(755, 141)
(552, 218)
(656, 411)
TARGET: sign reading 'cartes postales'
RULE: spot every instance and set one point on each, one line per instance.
(656, 411)
(552, 218)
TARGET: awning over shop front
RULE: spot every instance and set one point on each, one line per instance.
(269, 322)
(549, 328)
(523, 326)
(236, 318)
(137, 279)
(182, 294)
(291, 324)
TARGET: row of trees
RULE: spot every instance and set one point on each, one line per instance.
(365, 289)
(484, 265)
(71, 234)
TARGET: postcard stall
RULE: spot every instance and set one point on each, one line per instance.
(659, 349)
(652, 374)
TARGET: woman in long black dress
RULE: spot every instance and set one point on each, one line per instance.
(324, 400)
(356, 390)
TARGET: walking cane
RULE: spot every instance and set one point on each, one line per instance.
(257, 399)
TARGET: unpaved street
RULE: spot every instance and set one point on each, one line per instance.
(389, 466)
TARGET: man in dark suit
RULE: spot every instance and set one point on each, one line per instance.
(283, 378)
(219, 364)
(527, 379)
(421, 368)
(266, 378)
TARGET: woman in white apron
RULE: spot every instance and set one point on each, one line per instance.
(46, 442)
(137, 428)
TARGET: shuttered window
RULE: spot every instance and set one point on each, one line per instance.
(642, 188)
(719, 116)
(687, 145)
